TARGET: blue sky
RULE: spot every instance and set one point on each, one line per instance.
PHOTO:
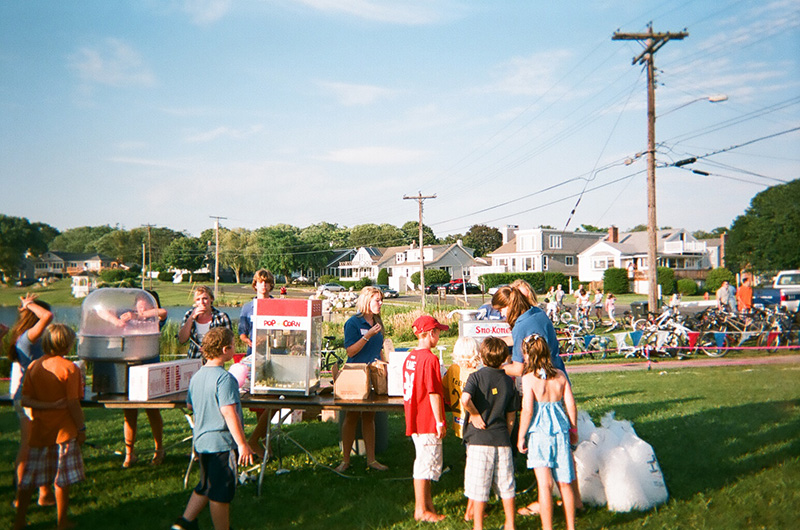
(167, 112)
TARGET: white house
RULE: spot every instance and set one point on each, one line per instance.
(540, 250)
(676, 249)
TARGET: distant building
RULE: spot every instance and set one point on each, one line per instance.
(62, 264)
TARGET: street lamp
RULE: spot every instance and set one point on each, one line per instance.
(717, 98)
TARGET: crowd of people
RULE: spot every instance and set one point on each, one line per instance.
(505, 394)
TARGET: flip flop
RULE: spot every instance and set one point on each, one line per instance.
(341, 468)
(377, 466)
(527, 511)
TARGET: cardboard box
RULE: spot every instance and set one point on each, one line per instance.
(394, 375)
(353, 382)
(148, 381)
(378, 376)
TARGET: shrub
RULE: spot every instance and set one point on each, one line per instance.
(383, 277)
(615, 280)
(117, 275)
(166, 276)
(666, 279)
(540, 281)
(431, 276)
(716, 277)
(687, 286)
(327, 278)
(202, 277)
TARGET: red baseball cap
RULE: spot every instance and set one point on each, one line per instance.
(427, 323)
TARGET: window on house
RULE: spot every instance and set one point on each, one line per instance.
(527, 264)
(599, 264)
(545, 263)
(569, 261)
(555, 241)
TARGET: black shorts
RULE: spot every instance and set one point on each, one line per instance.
(218, 476)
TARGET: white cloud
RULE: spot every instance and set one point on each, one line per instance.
(115, 64)
(223, 132)
(375, 156)
(352, 95)
(206, 11)
(528, 76)
(146, 162)
(407, 12)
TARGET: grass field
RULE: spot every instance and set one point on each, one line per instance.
(727, 439)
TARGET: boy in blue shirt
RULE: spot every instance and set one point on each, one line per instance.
(218, 432)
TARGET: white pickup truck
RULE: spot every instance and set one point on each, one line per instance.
(785, 291)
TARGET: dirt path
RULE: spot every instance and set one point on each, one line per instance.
(693, 363)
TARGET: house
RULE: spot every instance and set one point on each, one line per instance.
(676, 249)
(401, 262)
(68, 264)
(539, 250)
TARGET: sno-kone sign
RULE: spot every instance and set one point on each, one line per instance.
(286, 314)
(480, 329)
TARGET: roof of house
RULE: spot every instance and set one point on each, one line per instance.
(78, 256)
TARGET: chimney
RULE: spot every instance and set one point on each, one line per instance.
(459, 242)
(613, 234)
(508, 232)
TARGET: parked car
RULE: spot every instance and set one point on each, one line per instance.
(458, 288)
(434, 287)
(332, 287)
(785, 291)
(388, 292)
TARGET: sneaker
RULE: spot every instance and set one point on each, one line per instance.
(183, 524)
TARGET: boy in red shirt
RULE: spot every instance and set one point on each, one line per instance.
(52, 390)
(423, 401)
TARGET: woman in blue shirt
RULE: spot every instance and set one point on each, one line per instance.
(363, 341)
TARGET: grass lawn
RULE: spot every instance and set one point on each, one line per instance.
(727, 439)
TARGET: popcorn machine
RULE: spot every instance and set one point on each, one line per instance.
(287, 339)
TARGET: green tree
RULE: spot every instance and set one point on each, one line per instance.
(123, 245)
(186, 253)
(79, 240)
(411, 233)
(17, 237)
(233, 251)
(638, 228)
(767, 236)
(372, 235)
(450, 239)
(591, 228)
(716, 277)
(702, 234)
(318, 241)
(278, 245)
(383, 276)
(483, 239)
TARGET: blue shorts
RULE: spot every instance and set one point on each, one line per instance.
(553, 451)
(218, 476)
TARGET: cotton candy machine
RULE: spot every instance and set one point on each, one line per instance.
(119, 328)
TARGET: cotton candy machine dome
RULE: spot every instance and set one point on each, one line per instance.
(118, 325)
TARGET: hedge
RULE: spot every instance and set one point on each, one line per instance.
(666, 279)
(540, 281)
(615, 280)
(687, 286)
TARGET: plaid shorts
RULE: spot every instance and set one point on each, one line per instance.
(488, 466)
(428, 463)
(61, 464)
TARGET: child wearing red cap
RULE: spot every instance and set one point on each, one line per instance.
(423, 401)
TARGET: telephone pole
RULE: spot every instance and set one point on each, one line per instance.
(149, 258)
(652, 43)
(420, 198)
(216, 251)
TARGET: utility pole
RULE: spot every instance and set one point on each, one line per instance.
(149, 259)
(216, 251)
(652, 43)
(420, 198)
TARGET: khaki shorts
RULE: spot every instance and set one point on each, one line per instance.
(428, 463)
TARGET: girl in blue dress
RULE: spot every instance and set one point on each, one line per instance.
(548, 425)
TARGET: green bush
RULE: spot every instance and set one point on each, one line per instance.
(666, 279)
(383, 277)
(116, 275)
(327, 278)
(203, 277)
(540, 281)
(166, 276)
(431, 276)
(687, 286)
(716, 277)
(615, 280)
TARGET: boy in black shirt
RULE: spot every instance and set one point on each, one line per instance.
(489, 399)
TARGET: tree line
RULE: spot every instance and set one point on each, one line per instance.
(766, 237)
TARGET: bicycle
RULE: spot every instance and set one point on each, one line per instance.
(330, 360)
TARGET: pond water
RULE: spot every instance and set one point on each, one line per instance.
(72, 314)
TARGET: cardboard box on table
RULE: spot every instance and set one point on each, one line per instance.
(353, 382)
(148, 381)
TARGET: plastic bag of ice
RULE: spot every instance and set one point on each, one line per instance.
(587, 468)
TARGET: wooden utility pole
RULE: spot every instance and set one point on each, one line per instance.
(652, 43)
(216, 251)
(420, 198)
